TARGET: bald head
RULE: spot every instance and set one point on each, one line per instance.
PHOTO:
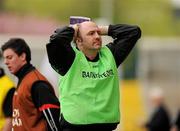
(85, 27)
(88, 24)
(156, 96)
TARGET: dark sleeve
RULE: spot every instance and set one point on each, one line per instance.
(7, 104)
(59, 50)
(177, 122)
(45, 100)
(125, 37)
(160, 120)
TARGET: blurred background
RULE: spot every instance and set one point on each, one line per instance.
(154, 62)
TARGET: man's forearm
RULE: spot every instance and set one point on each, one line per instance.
(123, 31)
(125, 37)
(59, 50)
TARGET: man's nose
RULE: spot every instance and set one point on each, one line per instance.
(97, 35)
(5, 61)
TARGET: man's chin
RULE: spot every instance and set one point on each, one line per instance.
(12, 72)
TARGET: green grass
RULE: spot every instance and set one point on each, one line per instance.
(58, 9)
(153, 16)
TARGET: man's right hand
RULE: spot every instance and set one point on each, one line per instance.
(76, 28)
(103, 30)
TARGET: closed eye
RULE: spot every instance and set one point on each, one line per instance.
(93, 32)
(9, 57)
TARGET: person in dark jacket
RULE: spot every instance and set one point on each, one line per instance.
(89, 84)
(159, 119)
(35, 106)
(176, 124)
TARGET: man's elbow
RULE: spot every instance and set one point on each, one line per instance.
(137, 32)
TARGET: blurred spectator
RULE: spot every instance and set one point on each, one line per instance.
(6, 93)
(159, 120)
(176, 124)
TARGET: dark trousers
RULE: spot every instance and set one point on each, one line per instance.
(84, 130)
(66, 126)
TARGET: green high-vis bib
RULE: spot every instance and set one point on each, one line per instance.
(89, 91)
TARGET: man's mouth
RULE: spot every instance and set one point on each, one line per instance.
(9, 67)
(97, 42)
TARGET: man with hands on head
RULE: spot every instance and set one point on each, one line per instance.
(89, 85)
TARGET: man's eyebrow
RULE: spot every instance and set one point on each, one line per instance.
(94, 30)
(91, 31)
(8, 56)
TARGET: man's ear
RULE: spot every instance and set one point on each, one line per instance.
(79, 40)
(23, 56)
